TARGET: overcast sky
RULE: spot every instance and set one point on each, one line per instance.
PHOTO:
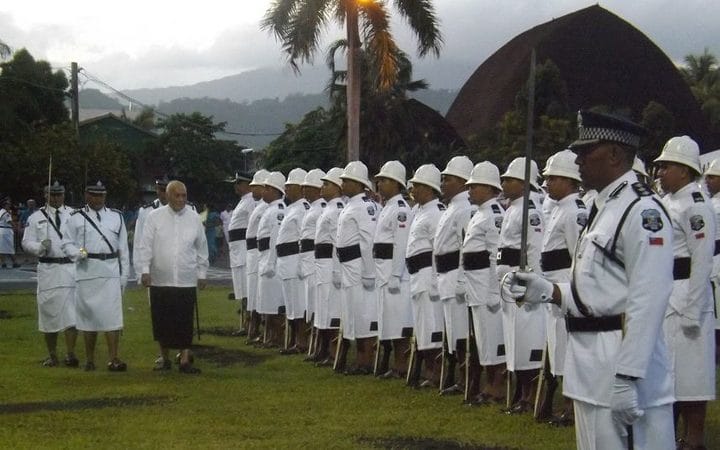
(133, 44)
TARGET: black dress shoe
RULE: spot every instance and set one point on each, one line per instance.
(290, 351)
(389, 375)
(116, 366)
(162, 364)
(455, 389)
(520, 407)
(240, 332)
(89, 366)
(427, 384)
(359, 370)
(565, 419)
(51, 361)
(189, 369)
(327, 362)
(71, 361)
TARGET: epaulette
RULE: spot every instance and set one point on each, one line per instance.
(495, 208)
(148, 205)
(366, 199)
(698, 197)
(580, 204)
(441, 207)
(618, 190)
(306, 205)
(401, 203)
(340, 205)
(642, 190)
(75, 211)
(531, 204)
(323, 204)
(281, 205)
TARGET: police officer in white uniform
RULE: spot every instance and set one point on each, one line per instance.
(270, 297)
(55, 275)
(288, 260)
(451, 280)
(560, 238)
(327, 267)
(479, 252)
(616, 364)
(427, 307)
(257, 188)
(712, 182)
(689, 321)
(356, 227)
(95, 237)
(523, 326)
(161, 200)
(311, 187)
(237, 241)
(395, 319)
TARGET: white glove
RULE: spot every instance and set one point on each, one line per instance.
(45, 246)
(336, 280)
(368, 283)
(536, 289)
(690, 327)
(624, 402)
(460, 292)
(394, 284)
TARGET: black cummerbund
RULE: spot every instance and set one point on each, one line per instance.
(555, 260)
(447, 261)
(476, 260)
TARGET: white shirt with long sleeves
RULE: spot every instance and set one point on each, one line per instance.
(239, 219)
(173, 249)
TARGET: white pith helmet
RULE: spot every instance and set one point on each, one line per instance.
(516, 169)
(393, 170)
(562, 164)
(296, 176)
(314, 178)
(428, 175)
(333, 176)
(459, 166)
(259, 178)
(357, 171)
(485, 173)
(714, 168)
(681, 150)
(276, 180)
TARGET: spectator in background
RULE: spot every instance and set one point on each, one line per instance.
(212, 223)
(7, 234)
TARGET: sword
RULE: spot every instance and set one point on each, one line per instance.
(528, 160)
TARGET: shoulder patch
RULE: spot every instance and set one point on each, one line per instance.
(401, 203)
(371, 210)
(642, 189)
(651, 220)
(280, 217)
(498, 222)
(580, 204)
(323, 204)
(366, 199)
(306, 205)
(534, 219)
(281, 206)
(698, 197)
(441, 207)
(581, 218)
(402, 217)
(496, 208)
(340, 205)
(697, 222)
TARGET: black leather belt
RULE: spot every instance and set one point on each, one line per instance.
(681, 268)
(717, 248)
(4, 226)
(417, 262)
(323, 251)
(346, 254)
(509, 257)
(383, 251)
(307, 245)
(238, 234)
(555, 260)
(102, 256)
(251, 243)
(264, 244)
(49, 260)
(594, 324)
(287, 249)
(447, 261)
(476, 260)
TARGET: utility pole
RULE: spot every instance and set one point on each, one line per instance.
(74, 98)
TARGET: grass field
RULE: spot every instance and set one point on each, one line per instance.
(245, 397)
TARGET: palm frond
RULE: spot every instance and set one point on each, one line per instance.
(420, 15)
(277, 17)
(380, 43)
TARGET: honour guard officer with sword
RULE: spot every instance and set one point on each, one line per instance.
(257, 188)
(95, 237)
(616, 364)
(689, 321)
(393, 287)
(237, 245)
(451, 280)
(161, 200)
(327, 266)
(479, 252)
(560, 238)
(55, 275)
(427, 307)
(712, 181)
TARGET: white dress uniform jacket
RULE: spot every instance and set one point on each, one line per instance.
(55, 271)
(236, 234)
(102, 276)
(389, 246)
(288, 262)
(692, 357)
(356, 227)
(307, 256)
(483, 287)
(174, 248)
(715, 276)
(140, 225)
(451, 280)
(620, 271)
(270, 298)
(427, 307)
(253, 255)
(7, 235)
(523, 326)
(560, 238)
(327, 265)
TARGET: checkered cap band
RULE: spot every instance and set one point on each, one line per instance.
(609, 134)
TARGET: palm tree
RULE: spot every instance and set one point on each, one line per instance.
(298, 24)
(703, 76)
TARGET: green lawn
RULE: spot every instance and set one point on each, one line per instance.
(245, 397)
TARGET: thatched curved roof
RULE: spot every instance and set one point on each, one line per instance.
(603, 60)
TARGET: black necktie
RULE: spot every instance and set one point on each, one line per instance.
(98, 216)
(593, 213)
(57, 218)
